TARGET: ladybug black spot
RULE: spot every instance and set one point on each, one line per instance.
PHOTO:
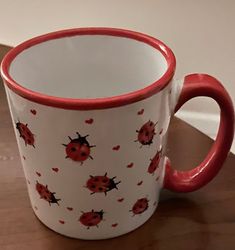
(147, 133)
(96, 179)
(83, 154)
(90, 224)
(100, 188)
(93, 186)
(29, 133)
(73, 149)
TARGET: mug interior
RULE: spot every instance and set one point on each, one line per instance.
(88, 66)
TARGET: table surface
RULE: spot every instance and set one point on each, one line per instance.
(204, 219)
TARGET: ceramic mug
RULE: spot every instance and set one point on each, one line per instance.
(91, 109)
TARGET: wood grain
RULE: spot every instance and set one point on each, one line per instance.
(201, 220)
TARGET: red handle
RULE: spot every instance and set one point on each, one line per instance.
(187, 181)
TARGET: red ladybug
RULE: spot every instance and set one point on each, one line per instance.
(140, 206)
(78, 149)
(91, 219)
(155, 162)
(25, 133)
(101, 184)
(146, 133)
(46, 194)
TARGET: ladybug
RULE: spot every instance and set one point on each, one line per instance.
(46, 194)
(155, 162)
(78, 149)
(25, 133)
(146, 133)
(101, 184)
(91, 219)
(140, 206)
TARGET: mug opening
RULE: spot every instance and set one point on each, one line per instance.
(82, 66)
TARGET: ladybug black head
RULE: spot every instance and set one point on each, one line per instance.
(100, 213)
(53, 199)
(112, 184)
(80, 140)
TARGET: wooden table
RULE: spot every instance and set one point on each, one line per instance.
(201, 220)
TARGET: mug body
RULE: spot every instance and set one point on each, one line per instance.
(91, 110)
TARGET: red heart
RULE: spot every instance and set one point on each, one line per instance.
(89, 121)
(61, 221)
(55, 169)
(33, 111)
(70, 208)
(130, 165)
(114, 225)
(140, 112)
(161, 131)
(120, 200)
(116, 147)
(140, 183)
(38, 174)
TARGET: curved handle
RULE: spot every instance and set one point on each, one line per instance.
(187, 181)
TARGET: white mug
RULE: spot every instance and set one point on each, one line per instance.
(91, 109)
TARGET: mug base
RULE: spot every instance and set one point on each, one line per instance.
(97, 237)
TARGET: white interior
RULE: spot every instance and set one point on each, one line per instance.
(88, 66)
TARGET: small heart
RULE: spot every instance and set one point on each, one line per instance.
(70, 208)
(89, 121)
(61, 221)
(161, 131)
(130, 165)
(24, 157)
(157, 178)
(33, 111)
(55, 169)
(140, 183)
(38, 174)
(140, 112)
(120, 200)
(116, 148)
(114, 225)
(36, 208)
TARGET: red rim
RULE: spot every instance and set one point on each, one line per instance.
(96, 103)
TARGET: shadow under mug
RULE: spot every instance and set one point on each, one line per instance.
(91, 109)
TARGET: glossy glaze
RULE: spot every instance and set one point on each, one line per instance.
(95, 167)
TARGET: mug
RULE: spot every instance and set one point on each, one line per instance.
(91, 109)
